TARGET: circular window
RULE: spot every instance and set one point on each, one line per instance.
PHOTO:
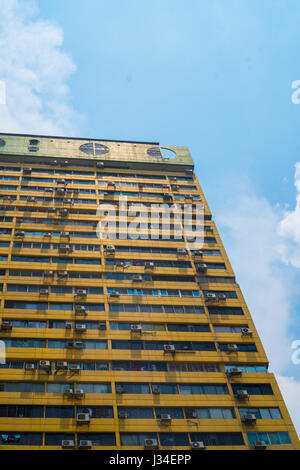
(94, 149)
(167, 153)
(154, 152)
(161, 152)
(2, 142)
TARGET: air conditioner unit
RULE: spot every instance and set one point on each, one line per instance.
(102, 326)
(64, 163)
(221, 296)
(249, 418)
(83, 418)
(44, 291)
(246, 332)
(75, 367)
(31, 199)
(201, 268)
(120, 264)
(198, 254)
(70, 344)
(114, 294)
(19, 233)
(188, 171)
(122, 414)
(67, 444)
(29, 366)
(80, 309)
(62, 274)
(69, 392)
(99, 164)
(169, 348)
(81, 328)
(232, 347)
(81, 292)
(79, 393)
(68, 201)
(208, 229)
(242, 394)
(165, 186)
(109, 249)
(234, 372)
(47, 234)
(175, 187)
(78, 345)
(64, 248)
(60, 191)
(27, 171)
(198, 445)
(61, 181)
(45, 365)
(136, 328)
(181, 251)
(48, 190)
(85, 444)
(149, 265)
(51, 210)
(172, 178)
(63, 212)
(119, 389)
(151, 444)
(64, 234)
(259, 445)
(210, 296)
(155, 389)
(69, 325)
(188, 197)
(6, 325)
(61, 365)
(165, 418)
(110, 185)
(137, 278)
(167, 197)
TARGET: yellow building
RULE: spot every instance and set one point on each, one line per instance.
(133, 342)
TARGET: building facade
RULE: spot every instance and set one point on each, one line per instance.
(136, 339)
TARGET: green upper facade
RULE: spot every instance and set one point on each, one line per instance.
(43, 147)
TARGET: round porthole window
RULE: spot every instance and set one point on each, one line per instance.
(93, 148)
(154, 152)
(161, 152)
(2, 142)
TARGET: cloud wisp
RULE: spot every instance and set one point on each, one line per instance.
(35, 71)
(253, 238)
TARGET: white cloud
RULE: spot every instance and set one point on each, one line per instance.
(254, 249)
(35, 71)
(289, 227)
(290, 389)
(257, 252)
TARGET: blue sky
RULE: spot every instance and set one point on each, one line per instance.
(212, 75)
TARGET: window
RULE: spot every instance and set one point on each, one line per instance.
(142, 388)
(270, 438)
(173, 439)
(137, 412)
(218, 438)
(135, 439)
(23, 439)
(254, 389)
(261, 413)
(204, 389)
(60, 411)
